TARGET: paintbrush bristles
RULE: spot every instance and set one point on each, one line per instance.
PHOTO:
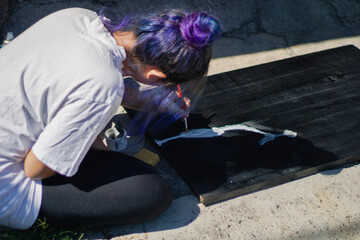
(186, 125)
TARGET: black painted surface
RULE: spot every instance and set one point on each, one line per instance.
(316, 95)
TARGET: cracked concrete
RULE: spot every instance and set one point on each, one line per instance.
(322, 206)
(273, 23)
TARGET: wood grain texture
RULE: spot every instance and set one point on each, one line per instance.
(316, 95)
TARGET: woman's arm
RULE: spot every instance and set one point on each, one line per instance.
(159, 99)
(35, 169)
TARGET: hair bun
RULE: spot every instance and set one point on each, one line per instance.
(199, 29)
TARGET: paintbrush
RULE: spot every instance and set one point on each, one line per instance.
(185, 119)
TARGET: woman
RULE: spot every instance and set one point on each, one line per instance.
(62, 81)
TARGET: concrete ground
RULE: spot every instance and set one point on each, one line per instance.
(322, 206)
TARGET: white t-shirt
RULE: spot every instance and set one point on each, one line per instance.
(60, 83)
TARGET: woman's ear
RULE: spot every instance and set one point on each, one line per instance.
(154, 74)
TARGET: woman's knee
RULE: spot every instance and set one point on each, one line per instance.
(158, 194)
(139, 198)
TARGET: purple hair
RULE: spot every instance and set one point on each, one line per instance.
(177, 43)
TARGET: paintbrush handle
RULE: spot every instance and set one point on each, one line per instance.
(183, 107)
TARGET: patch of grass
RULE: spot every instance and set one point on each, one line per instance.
(41, 231)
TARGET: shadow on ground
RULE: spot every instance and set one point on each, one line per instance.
(182, 212)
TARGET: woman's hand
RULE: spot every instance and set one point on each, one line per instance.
(172, 104)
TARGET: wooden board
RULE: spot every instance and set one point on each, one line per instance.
(316, 95)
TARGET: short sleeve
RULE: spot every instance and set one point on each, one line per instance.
(69, 135)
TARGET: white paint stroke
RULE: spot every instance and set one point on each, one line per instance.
(218, 131)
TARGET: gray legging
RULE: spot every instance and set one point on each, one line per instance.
(109, 188)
